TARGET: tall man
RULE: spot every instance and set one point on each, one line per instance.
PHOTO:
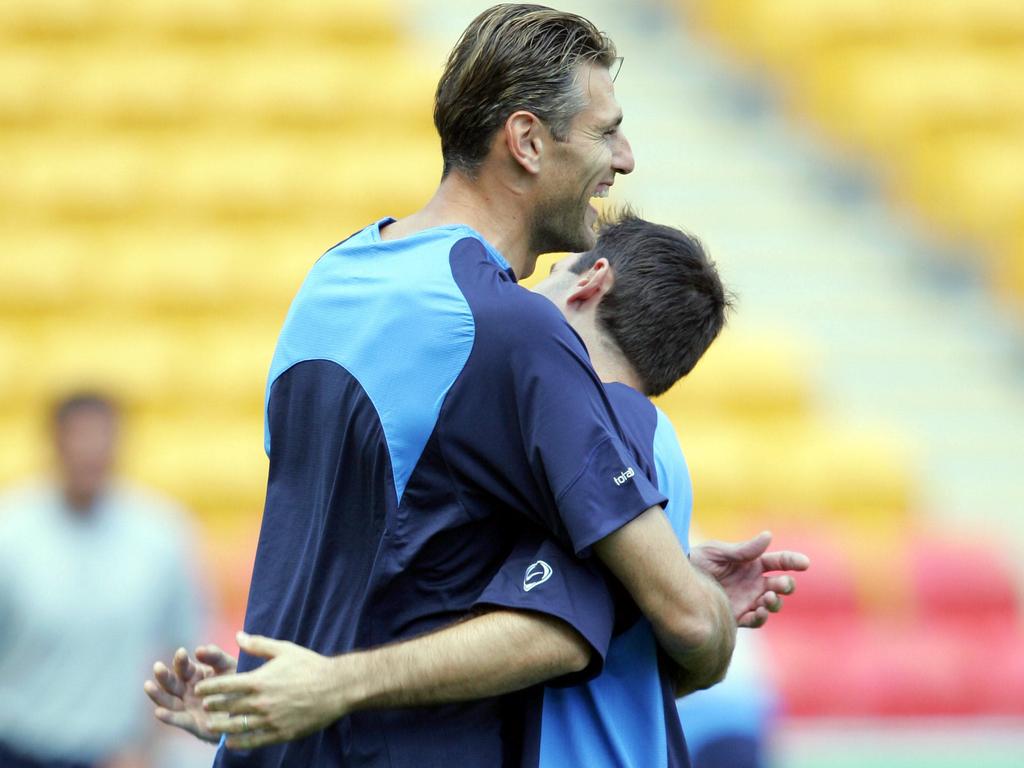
(423, 409)
(647, 302)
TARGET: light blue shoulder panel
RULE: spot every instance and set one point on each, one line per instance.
(391, 314)
(673, 478)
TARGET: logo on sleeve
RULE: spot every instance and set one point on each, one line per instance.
(621, 479)
(536, 575)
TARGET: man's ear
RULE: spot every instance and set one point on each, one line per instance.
(592, 286)
(524, 137)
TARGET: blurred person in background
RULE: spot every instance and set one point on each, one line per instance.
(94, 578)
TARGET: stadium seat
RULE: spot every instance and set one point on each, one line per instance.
(1007, 272)
(970, 184)
(216, 178)
(799, 472)
(890, 100)
(745, 376)
(24, 450)
(828, 593)
(225, 364)
(353, 21)
(962, 579)
(872, 669)
(785, 33)
(132, 361)
(42, 270)
(47, 19)
(290, 86)
(46, 179)
(164, 270)
(215, 464)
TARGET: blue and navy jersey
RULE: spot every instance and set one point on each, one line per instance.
(423, 410)
(626, 717)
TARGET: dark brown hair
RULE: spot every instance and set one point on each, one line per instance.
(667, 303)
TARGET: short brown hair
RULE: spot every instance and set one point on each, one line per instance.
(667, 303)
(513, 57)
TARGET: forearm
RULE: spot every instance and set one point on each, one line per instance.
(489, 655)
(690, 614)
(704, 664)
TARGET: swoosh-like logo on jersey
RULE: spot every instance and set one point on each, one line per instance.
(536, 575)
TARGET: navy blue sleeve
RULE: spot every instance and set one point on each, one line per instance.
(527, 426)
(541, 576)
(570, 434)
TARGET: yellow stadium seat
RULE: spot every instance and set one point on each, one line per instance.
(42, 270)
(47, 177)
(47, 18)
(743, 375)
(1007, 273)
(970, 183)
(786, 33)
(17, 345)
(215, 177)
(231, 90)
(890, 100)
(130, 360)
(24, 451)
(215, 465)
(225, 362)
(163, 270)
(352, 21)
(802, 471)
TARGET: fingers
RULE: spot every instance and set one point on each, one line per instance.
(754, 619)
(162, 698)
(181, 720)
(782, 585)
(257, 645)
(234, 705)
(230, 684)
(221, 723)
(771, 601)
(752, 548)
(183, 666)
(220, 660)
(785, 560)
(168, 680)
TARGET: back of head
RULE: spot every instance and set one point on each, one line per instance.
(513, 57)
(667, 303)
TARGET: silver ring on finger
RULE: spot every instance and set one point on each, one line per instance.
(245, 722)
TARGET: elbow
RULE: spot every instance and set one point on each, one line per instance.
(706, 632)
(690, 632)
(576, 655)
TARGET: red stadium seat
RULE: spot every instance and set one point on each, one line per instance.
(870, 669)
(957, 579)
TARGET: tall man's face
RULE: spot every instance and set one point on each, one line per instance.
(580, 168)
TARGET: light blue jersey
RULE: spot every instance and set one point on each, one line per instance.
(627, 717)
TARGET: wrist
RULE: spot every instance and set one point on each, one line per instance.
(347, 690)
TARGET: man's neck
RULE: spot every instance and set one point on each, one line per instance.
(608, 362)
(493, 210)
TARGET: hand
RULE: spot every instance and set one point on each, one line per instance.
(173, 691)
(294, 694)
(741, 571)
